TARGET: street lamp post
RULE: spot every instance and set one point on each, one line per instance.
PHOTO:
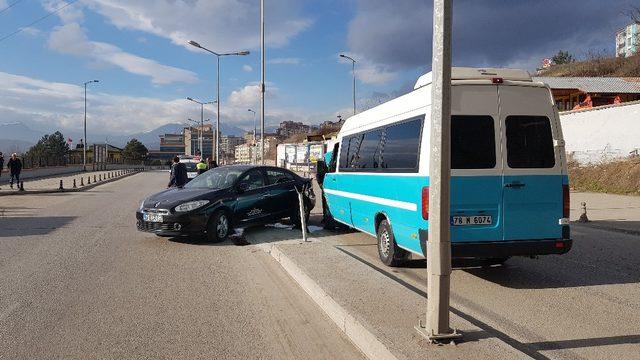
(353, 71)
(202, 104)
(218, 56)
(255, 139)
(84, 147)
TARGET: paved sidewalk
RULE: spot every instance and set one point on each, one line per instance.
(376, 312)
(52, 184)
(608, 211)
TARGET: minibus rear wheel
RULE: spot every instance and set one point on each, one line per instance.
(389, 252)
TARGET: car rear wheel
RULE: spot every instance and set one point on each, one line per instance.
(219, 227)
(389, 252)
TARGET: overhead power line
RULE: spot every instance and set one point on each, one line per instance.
(10, 6)
(19, 30)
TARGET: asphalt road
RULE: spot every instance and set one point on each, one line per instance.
(581, 305)
(78, 281)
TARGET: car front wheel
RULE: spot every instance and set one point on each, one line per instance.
(219, 227)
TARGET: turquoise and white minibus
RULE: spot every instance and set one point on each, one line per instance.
(509, 183)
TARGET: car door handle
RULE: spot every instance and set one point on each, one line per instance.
(514, 185)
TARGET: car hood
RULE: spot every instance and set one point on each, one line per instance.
(170, 198)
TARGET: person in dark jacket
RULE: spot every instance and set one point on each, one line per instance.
(178, 174)
(1, 163)
(15, 167)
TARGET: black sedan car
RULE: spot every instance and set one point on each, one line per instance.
(221, 199)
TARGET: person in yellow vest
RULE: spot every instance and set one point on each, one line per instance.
(201, 167)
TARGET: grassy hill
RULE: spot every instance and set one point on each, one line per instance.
(622, 67)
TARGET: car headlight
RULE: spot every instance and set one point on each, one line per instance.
(142, 205)
(191, 205)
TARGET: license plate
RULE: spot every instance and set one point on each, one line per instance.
(471, 220)
(152, 218)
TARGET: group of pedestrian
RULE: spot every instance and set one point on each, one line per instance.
(179, 178)
(14, 165)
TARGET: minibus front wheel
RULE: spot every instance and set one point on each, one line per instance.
(389, 252)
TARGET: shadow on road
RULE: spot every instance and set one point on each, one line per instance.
(28, 226)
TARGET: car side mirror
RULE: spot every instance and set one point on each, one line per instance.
(242, 187)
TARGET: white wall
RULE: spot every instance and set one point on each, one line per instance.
(602, 134)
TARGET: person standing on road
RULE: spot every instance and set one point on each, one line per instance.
(178, 174)
(201, 167)
(15, 167)
(1, 163)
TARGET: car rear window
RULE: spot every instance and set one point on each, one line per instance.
(473, 142)
(529, 142)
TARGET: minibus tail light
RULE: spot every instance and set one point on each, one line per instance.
(425, 203)
(566, 202)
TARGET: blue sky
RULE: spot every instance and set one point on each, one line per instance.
(138, 50)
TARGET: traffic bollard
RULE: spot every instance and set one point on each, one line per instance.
(21, 185)
(61, 187)
(74, 184)
(583, 217)
(81, 181)
(100, 177)
(94, 178)
(303, 217)
(88, 180)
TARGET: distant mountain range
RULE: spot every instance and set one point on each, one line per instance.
(18, 137)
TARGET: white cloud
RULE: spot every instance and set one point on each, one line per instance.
(284, 61)
(71, 39)
(247, 68)
(68, 13)
(221, 25)
(59, 106)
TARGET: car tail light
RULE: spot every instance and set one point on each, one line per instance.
(566, 202)
(559, 245)
(425, 203)
(497, 80)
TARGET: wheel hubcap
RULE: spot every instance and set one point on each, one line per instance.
(223, 226)
(385, 243)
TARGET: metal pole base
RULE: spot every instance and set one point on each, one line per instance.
(451, 337)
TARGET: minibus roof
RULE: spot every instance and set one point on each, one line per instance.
(466, 73)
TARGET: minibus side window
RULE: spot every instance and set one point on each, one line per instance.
(368, 156)
(334, 158)
(473, 142)
(529, 142)
(401, 146)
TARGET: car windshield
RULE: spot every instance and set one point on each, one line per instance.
(191, 166)
(218, 178)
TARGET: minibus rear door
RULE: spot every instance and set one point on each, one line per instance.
(533, 191)
(476, 181)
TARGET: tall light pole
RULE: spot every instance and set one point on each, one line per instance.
(353, 71)
(84, 148)
(262, 82)
(255, 139)
(218, 56)
(202, 104)
(438, 237)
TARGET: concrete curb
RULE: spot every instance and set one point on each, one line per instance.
(70, 190)
(359, 335)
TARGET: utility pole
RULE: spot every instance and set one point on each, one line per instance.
(437, 327)
(353, 72)
(255, 139)
(84, 147)
(262, 86)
